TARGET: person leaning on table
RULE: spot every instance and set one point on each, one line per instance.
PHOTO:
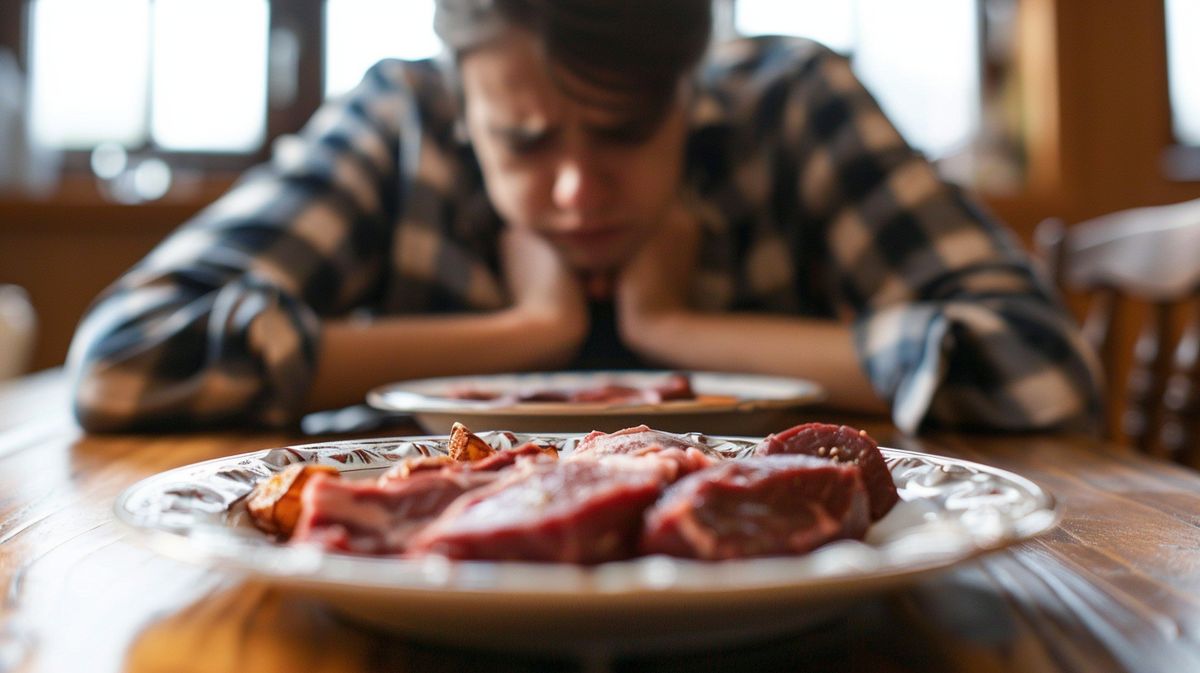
(585, 183)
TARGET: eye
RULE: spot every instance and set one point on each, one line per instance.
(525, 144)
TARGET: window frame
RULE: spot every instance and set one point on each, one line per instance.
(302, 18)
(1180, 159)
(1061, 29)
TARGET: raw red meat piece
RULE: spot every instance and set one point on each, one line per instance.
(472, 395)
(686, 455)
(676, 387)
(843, 444)
(378, 517)
(540, 396)
(758, 507)
(406, 468)
(583, 511)
(612, 394)
(502, 459)
(675, 462)
(634, 441)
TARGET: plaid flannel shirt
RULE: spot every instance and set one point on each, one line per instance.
(810, 202)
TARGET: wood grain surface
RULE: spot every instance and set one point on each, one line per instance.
(1116, 587)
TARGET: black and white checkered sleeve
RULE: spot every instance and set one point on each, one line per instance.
(219, 323)
(952, 324)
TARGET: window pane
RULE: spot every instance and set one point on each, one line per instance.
(88, 67)
(830, 22)
(206, 98)
(921, 60)
(358, 33)
(1183, 55)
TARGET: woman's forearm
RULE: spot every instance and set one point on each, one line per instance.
(820, 350)
(355, 356)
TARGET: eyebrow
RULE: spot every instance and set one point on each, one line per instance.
(633, 129)
(629, 130)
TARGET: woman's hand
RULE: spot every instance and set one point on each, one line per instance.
(544, 329)
(656, 321)
(653, 286)
(546, 293)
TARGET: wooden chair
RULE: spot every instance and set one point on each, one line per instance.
(18, 330)
(1135, 276)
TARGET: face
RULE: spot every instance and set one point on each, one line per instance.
(594, 184)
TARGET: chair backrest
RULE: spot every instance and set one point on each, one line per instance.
(1136, 274)
(18, 325)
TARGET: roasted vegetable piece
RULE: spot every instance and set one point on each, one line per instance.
(466, 445)
(274, 503)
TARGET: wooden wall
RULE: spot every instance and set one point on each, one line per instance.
(1095, 84)
(64, 254)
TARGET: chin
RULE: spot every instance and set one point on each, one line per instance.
(591, 263)
(599, 256)
(596, 258)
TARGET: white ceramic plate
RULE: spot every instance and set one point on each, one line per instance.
(950, 511)
(726, 404)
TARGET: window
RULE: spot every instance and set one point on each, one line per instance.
(830, 22)
(920, 58)
(359, 33)
(214, 103)
(142, 76)
(161, 88)
(78, 102)
(941, 69)
(144, 73)
(1183, 55)
(128, 72)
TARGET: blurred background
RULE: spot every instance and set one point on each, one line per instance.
(121, 118)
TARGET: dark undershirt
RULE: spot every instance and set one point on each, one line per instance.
(603, 348)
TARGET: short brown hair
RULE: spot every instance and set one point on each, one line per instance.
(635, 51)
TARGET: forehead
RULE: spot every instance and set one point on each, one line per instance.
(511, 78)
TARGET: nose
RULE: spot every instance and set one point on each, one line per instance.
(581, 185)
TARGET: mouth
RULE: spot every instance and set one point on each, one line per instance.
(589, 237)
(588, 233)
(593, 249)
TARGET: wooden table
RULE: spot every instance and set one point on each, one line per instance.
(1115, 588)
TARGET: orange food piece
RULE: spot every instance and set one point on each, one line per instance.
(466, 445)
(547, 450)
(274, 504)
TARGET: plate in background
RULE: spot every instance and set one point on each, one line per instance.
(726, 403)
